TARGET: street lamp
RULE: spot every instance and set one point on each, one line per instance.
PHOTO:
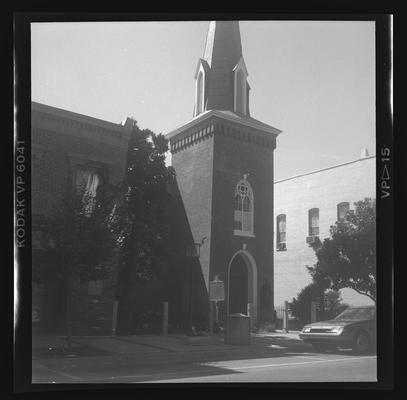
(193, 251)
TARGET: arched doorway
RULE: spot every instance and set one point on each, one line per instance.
(238, 281)
(242, 284)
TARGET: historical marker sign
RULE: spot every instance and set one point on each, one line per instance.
(216, 291)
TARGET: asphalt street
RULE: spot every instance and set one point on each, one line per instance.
(304, 368)
(288, 361)
(296, 369)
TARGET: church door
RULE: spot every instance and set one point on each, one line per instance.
(238, 290)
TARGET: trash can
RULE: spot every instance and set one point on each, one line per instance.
(237, 329)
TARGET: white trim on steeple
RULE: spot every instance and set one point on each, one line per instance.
(240, 87)
(200, 87)
(241, 65)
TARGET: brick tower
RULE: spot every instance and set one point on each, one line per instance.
(223, 159)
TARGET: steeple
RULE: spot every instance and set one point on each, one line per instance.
(221, 74)
(223, 47)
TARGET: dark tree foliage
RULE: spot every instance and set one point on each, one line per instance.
(333, 305)
(140, 217)
(301, 306)
(79, 232)
(329, 303)
(348, 258)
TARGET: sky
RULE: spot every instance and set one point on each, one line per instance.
(313, 80)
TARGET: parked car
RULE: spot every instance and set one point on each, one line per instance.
(355, 327)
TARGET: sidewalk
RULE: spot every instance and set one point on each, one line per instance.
(98, 357)
(150, 348)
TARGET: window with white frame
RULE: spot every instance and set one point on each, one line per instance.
(313, 221)
(281, 232)
(342, 208)
(243, 209)
(88, 180)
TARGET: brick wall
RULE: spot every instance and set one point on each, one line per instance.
(323, 189)
(190, 223)
(208, 168)
(194, 169)
(60, 141)
(233, 158)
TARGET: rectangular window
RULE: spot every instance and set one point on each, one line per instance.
(281, 233)
(89, 181)
(313, 218)
(343, 208)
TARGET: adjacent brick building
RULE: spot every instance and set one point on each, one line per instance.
(308, 204)
(68, 148)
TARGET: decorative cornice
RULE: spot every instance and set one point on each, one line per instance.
(189, 137)
(74, 120)
(228, 116)
(84, 159)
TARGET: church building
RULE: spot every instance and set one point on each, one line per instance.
(222, 214)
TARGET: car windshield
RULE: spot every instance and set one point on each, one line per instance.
(357, 314)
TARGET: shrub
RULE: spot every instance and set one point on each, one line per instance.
(329, 303)
(301, 306)
(333, 304)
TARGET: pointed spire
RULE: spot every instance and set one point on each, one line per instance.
(223, 45)
(223, 51)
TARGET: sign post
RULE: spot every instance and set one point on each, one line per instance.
(285, 319)
(216, 293)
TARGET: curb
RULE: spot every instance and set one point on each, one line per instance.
(151, 358)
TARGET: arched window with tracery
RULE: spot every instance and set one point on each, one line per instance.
(243, 209)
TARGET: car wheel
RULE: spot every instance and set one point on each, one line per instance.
(361, 343)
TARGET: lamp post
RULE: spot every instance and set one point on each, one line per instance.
(193, 251)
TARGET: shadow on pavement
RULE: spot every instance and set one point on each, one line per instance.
(94, 365)
(44, 353)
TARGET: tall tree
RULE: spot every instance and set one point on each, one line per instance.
(79, 231)
(348, 258)
(141, 219)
